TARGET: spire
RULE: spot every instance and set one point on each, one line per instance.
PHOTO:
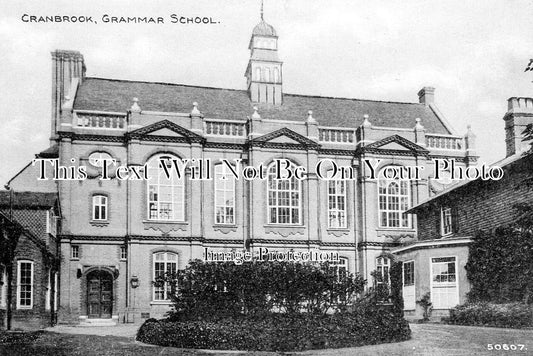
(262, 19)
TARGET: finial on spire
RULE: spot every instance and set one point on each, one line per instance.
(261, 10)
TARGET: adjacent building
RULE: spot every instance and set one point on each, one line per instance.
(118, 235)
(29, 259)
(449, 220)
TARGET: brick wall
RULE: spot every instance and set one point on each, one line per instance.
(480, 205)
(38, 316)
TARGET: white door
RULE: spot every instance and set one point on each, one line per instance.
(444, 289)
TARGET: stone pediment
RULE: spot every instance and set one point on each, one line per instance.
(285, 137)
(396, 143)
(165, 130)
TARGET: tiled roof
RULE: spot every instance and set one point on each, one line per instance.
(117, 95)
(50, 152)
(28, 200)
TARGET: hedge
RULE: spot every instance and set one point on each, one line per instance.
(510, 315)
(281, 332)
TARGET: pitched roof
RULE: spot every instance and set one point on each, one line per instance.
(117, 95)
(28, 200)
(504, 163)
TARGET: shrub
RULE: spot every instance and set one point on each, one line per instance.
(282, 332)
(500, 265)
(212, 291)
(510, 315)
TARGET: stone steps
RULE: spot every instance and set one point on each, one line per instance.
(87, 322)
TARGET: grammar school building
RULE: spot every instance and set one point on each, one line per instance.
(117, 235)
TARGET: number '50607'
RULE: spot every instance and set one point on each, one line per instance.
(510, 347)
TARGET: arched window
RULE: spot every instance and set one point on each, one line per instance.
(258, 74)
(276, 75)
(336, 203)
(99, 207)
(165, 263)
(267, 74)
(394, 200)
(284, 198)
(166, 200)
(224, 195)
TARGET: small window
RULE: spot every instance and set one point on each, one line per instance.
(25, 285)
(123, 253)
(383, 266)
(446, 222)
(341, 267)
(99, 207)
(409, 273)
(74, 252)
(51, 223)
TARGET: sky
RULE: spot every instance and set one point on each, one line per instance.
(473, 52)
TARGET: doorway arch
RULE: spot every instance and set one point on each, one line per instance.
(99, 294)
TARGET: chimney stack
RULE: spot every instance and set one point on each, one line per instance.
(426, 95)
(66, 66)
(519, 115)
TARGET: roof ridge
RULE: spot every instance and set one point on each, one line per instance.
(354, 99)
(163, 83)
(243, 90)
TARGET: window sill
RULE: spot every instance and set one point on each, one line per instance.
(181, 222)
(99, 223)
(225, 229)
(403, 229)
(24, 308)
(165, 226)
(338, 232)
(160, 302)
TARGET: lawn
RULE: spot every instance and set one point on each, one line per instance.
(427, 339)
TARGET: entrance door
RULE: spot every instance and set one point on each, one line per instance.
(444, 289)
(99, 294)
